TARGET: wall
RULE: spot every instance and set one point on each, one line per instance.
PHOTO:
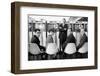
(5, 33)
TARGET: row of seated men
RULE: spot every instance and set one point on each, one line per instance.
(69, 50)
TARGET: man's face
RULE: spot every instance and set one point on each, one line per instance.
(38, 33)
(69, 32)
(64, 21)
(81, 26)
(82, 31)
(51, 33)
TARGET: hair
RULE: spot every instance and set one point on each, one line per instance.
(64, 19)
(51, 30)
(36, 30)
(82, 25)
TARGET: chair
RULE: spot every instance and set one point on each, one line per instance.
(34, 51)
(70, 50)
(83, 51)
(84, 48)
(51, 50)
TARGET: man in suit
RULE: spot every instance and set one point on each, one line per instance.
(83, 45)
(50, 36)
(35, 39)
(69, 45)
(62, 38)
(52, 48)
(63, 33)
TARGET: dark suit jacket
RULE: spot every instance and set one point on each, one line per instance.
(70, 39)
(49, 39)
(83, 39)
(36, 40)
(63, 33)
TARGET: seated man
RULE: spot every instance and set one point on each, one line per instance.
(83, 45)
(51, 49)
(35, 39)
(69, 45)
(50, 36)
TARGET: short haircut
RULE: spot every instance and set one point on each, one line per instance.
(82, 25)
(64, 19)
(36, 30)
(51, 30)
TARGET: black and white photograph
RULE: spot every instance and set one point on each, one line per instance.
(54, 37)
